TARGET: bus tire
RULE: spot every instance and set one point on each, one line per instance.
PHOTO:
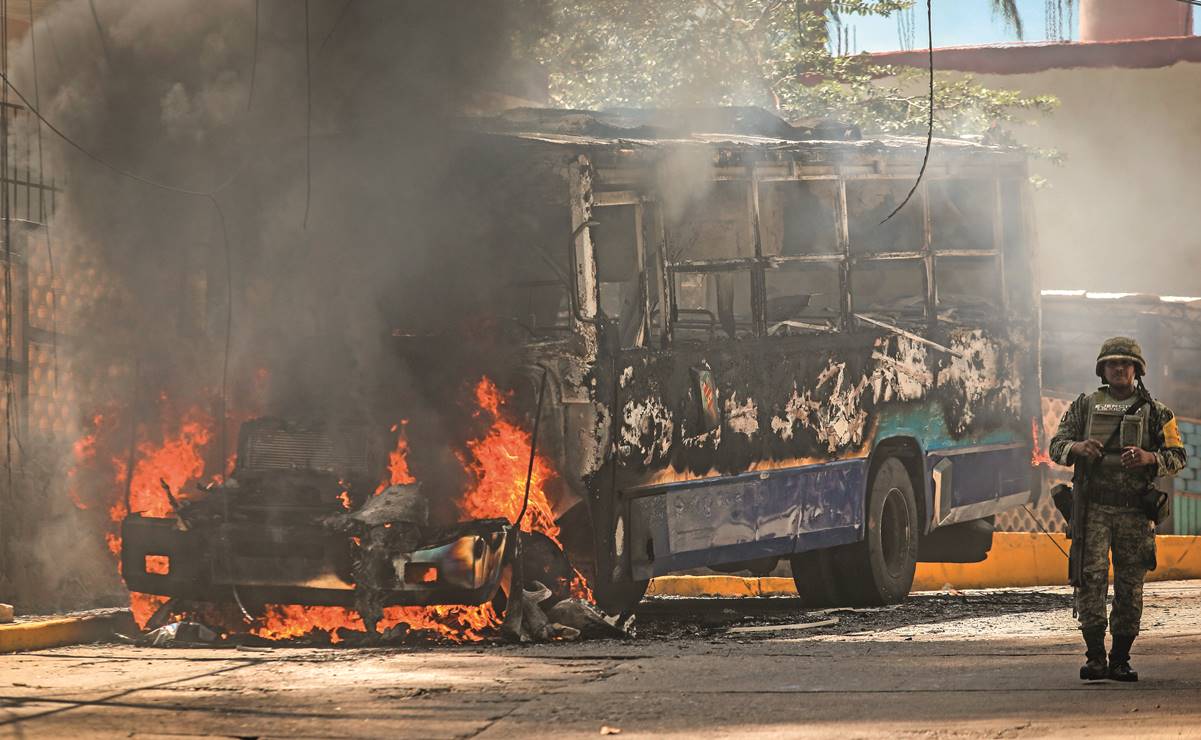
(882, 565)
(816, 580)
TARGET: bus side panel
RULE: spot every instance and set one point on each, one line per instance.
(971, 483)
(745, 517)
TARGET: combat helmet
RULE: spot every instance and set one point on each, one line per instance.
(1122, 348)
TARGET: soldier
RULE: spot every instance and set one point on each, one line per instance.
(1119, 439)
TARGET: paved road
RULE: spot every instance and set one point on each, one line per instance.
(981, 664)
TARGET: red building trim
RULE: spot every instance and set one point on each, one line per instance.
(1026, 58)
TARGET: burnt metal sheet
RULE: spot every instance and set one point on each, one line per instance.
(748, 516)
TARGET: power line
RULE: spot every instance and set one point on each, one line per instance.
(210, 195)
(99, 30)
(334, 27)
(104, 162)
(254, 59)
(308, 119)
(37, 99)
(10, 367)
(930, 125)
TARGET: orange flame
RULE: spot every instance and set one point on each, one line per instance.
(143, 606)
(83, 452)
(497, 462)
(1037, 455)
(178, 460)
(398, 461)
(500, 463)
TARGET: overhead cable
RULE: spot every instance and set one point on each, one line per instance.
(53, 290)
(308, 119)
(254, 58)
(930, 124)
(210, 195)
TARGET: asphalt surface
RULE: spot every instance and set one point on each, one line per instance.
(998, 663)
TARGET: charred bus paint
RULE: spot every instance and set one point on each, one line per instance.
(749, 363)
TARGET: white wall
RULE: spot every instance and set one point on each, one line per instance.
(1123, 212)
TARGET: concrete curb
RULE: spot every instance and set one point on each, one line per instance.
(1016, 559)
(68, 630)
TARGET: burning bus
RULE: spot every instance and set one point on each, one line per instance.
(731, 341)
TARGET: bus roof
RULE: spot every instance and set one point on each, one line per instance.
(731, 128)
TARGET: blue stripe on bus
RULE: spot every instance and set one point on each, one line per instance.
(753, 515)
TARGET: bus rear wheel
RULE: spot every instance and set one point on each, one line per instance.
(880, 568)
(817, 579)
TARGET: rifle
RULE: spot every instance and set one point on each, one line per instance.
(1073, 498)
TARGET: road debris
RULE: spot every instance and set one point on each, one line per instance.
(780, 627)
(567, 619)
(177, 635)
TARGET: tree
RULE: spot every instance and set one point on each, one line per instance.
(770, 53)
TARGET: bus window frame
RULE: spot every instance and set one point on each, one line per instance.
(618, 199)
(758, 264)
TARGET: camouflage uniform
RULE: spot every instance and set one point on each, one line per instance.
(1107, 501)
(1123, 529)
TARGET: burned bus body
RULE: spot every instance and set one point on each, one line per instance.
(747, 355)
(768, 366)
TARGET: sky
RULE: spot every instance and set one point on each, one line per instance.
(962, 22)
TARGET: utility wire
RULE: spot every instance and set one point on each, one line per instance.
(930, 125)
(5, 206)
(308, 119)
(334, 27)
(99, 30)
(254, 59)
(37, 99)
(210, 195)
(104, 162)
(1044, 529)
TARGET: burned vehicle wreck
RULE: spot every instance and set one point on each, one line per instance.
(302, 521)
(734, 354)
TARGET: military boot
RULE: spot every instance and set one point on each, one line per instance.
(1094, 669)
(1119, 659)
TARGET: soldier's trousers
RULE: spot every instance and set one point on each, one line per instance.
(1129, 534)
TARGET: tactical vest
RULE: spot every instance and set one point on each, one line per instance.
(1140, 429)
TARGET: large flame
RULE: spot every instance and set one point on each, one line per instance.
(500, 464)
(497, 463)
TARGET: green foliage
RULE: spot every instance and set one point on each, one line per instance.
(770, 53)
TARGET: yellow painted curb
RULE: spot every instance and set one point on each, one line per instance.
(1016, 559)
(62, 631)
